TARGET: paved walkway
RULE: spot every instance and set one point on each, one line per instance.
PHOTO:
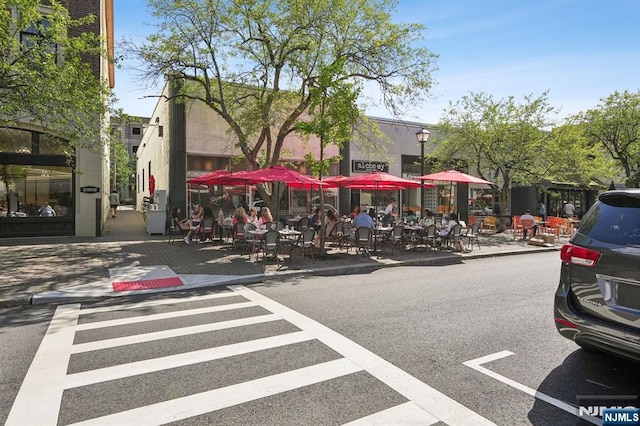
(50, 269)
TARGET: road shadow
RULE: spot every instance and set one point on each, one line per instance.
(584, 373)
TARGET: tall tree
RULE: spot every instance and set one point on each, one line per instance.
(254, 62)
(45, 71)
(333, 110)
(615, 126)
(508, 142)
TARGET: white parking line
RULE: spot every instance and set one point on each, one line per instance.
(40, 395)
(476, 365)
(427, 398)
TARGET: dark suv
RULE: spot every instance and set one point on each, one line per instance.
(598, 300)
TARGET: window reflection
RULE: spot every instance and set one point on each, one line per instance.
(24, 189)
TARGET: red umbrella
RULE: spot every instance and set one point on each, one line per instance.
(279, 174)
(380, 181)
(210, 178)
(340, 181)
(453, 176)
(377, 179)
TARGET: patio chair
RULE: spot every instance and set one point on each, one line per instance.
(336, 234)
(346, 238)
(452, 236)
(269, 243)
(206, 230)
(174, 230)
(251, 242)
(362, 240)
(239, 237)
(429, 236)
(304, 243)
(332, 234)
(304, 223)
(489, 224)
(397, 237)
(472, 235)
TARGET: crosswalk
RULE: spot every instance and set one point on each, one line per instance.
(233, 357)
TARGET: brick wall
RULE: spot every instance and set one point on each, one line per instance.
(79, 9)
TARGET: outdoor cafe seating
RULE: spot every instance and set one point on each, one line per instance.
(269, 243)
(397, 237)
(472, 235)
(304, 243)
(362, 240)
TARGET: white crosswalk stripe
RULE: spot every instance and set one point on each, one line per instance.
(51, 373)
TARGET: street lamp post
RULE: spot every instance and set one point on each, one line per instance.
(422, 136)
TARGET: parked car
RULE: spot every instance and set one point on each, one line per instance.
(597, 303)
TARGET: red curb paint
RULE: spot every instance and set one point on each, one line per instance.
(147, 284)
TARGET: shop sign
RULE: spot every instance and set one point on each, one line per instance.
(369, 166)
(90, 189)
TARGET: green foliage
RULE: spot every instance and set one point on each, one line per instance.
(499, 137)
(123, 163)
(614, 126)
(333, 111)
(256, 63)
(46, 78)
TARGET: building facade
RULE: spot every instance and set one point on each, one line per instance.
(36, 168)
(188, 140)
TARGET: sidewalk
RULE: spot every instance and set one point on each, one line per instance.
(54, 269)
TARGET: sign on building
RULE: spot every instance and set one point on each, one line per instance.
(369, 166)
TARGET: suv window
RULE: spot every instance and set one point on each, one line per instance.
(613, 220)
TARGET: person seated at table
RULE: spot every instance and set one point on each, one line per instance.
(253, 216)
(239, 216)
(316, 219)
(410, 216)
(220, 223)
(355, 211)
(178, 221)
(429, 218)
(332, 220)
(363, 219)
(206, 224)
(266, 216)
(194, 223)
(453, 221)
(529, 219)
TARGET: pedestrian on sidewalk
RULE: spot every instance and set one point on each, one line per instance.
(114, 202)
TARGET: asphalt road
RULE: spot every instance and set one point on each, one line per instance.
(321, 350)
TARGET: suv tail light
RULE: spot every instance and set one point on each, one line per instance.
(579, 255)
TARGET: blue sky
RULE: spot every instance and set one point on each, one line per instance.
(578, 50)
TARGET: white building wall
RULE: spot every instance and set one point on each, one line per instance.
(155, 149)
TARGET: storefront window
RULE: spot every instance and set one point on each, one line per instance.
(24, 189)
(15, 140)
